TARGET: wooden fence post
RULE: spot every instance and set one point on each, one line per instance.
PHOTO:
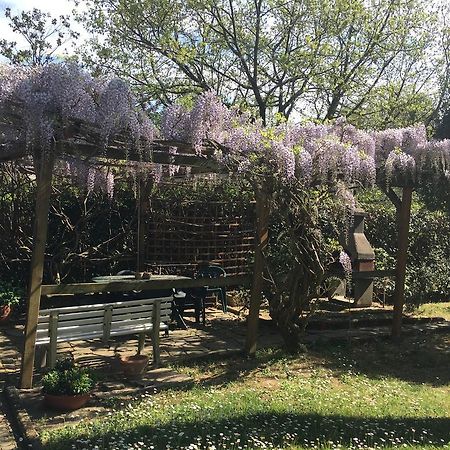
(261, 239)
(404, 215)
(44, 172)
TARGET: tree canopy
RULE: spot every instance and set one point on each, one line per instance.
(44, 36)
(310, 58)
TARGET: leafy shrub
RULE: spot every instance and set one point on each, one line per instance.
(67, 379)
(10, 295)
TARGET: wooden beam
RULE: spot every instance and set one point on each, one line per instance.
(44, 173)
(158, 156)
(261, 239)
(404, 215)
(145, 285)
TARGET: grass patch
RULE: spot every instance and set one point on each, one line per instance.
(331, 397)
(434, 310)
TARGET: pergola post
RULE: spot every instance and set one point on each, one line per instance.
(404, 215)
(144, 189)
(261, 239)
(44, 172)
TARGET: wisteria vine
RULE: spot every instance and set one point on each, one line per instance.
(44, 102)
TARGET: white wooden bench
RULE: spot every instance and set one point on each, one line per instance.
(106, 320)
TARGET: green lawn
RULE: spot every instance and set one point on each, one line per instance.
(434, 310)
(375, 395)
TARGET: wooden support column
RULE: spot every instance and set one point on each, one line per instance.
(144, 189)
(404, 215)
(44, 172)
(261, 239)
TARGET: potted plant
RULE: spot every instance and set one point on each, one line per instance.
(133, 365)
(10, 296)
(67, 386)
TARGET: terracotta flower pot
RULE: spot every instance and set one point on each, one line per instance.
(5, 312)
(133, 366)
(66, 402)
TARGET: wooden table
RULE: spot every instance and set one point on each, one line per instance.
(111, 278)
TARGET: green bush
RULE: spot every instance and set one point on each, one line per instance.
(67, 379)
(428, 269)
(10, 295)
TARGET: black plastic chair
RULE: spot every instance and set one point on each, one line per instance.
(187, 299)
(212, 271)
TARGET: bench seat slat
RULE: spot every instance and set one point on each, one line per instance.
(73, 316)
(165, 317)
(98, 334)
(71, 328)
(166, 309)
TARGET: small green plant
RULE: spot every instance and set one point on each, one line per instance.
(10, 295)
(67, 379)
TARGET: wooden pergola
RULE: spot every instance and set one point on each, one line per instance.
(119, 152)
(83, 143)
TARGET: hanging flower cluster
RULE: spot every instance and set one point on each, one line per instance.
(209, 119)
(88, 173)
(45, 103)
(310, 153)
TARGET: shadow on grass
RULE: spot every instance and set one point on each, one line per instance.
(420, 358)
(281, 430)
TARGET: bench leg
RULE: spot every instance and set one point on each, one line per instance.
(53, 332)
(141, 343)
(51, 355)
(156, 351)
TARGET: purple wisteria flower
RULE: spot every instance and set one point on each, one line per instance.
(173, 168)
(413, 139)
(385, 142)
(304, 165)
(50, 102)
(209, 119)
(346, 263)
(398, 162)
(175, 123)
(285, 158)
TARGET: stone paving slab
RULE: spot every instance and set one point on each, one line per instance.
(7, 440)
(9, 369)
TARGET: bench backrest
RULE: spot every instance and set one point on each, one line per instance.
(100, 320)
